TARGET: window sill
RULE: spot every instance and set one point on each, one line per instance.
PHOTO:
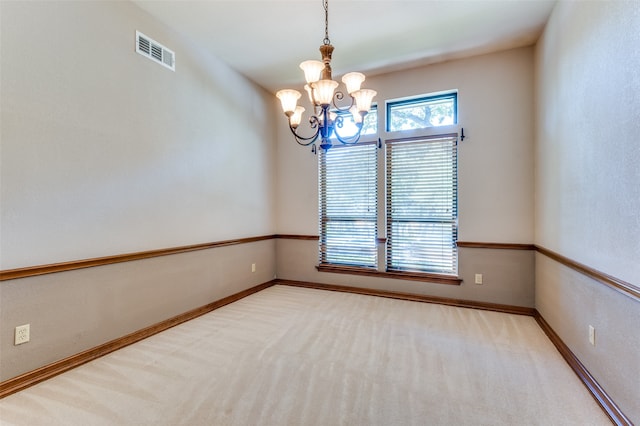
(398, 275)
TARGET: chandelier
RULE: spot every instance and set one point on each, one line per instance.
(321, 89)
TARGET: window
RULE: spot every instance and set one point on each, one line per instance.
(423, 112)
(348, 205)
(422, 204)
(419, 213)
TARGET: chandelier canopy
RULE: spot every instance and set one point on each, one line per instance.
(327, 116)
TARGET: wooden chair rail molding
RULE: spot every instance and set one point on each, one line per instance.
(30, 271)
(497, 246)
(622, 286)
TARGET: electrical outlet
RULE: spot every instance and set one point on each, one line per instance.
(253, 267)
(22, 334)
(592, 335)
(478, 278)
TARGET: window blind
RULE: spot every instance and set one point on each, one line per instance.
(348, 202)
(422, 204)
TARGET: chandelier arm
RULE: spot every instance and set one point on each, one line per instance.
(340, 96)
(304, 140)
(348, 140)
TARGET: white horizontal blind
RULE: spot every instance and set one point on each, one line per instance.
(422, 204)
(348, 202)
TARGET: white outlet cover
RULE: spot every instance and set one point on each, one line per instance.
(592, 335)
(22, 334)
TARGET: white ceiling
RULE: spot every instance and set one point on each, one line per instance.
(266, 40)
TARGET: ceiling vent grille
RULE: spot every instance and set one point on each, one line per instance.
(153, 50)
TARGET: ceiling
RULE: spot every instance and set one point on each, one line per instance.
(266, 40)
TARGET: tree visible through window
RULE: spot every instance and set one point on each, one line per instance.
(421, 113)
(422, 204)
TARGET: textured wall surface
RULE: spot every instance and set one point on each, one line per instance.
(106, 152)
(495, 171)
(588, 185)
(508, 275)
(587, 151)
(495, 178)
(70, 312)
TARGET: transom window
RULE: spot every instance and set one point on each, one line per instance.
(422, 112)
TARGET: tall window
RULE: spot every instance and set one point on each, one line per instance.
(422, 204)
(348, 205)
(420, 210)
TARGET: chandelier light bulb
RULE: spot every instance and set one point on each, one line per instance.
(296, 118)
(357, 117)
(309, 93)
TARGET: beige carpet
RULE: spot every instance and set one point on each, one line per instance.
(294, 356)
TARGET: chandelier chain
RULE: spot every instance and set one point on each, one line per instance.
(325, 4)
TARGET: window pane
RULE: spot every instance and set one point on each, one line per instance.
(348, 200)
(422, 205)
(349, 243)
(422, 113)
(423, 246)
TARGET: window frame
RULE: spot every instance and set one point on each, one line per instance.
(419, 218)
(452, 94)
(381, 138)
(325, 218)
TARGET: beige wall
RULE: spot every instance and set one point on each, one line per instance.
(73, 311)
(588, 185)
(104, 152)
(495, 173)
(508, 274)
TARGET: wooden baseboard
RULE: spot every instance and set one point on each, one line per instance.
(519, 310)
(36, 376)
(599, 394)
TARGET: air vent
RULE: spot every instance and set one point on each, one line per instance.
(153, 50)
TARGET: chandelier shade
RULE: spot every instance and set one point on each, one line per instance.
(296, 118)
(312, 70)
(327, 115)
(353, 80)
(288, 99)
(364, 98)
